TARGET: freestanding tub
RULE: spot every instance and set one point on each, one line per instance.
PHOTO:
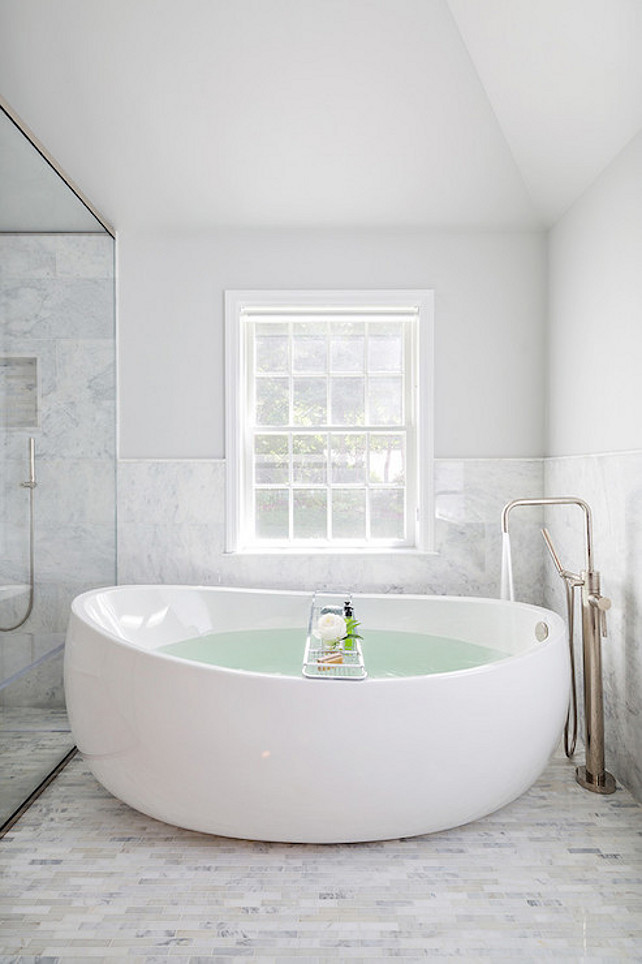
(284, 758)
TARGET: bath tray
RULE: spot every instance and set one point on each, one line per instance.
(322, 662)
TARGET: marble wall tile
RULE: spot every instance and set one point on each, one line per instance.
(72, 552)
(78, 432)
(158, 492)
(612, 485)
(85, 371)
(57, 304)
(84, 256)
(469, 497)
(76, 491)
(28, 256)
(33, 306)
(21, 649)
(184, 553)
(43, 684)
(171, 518)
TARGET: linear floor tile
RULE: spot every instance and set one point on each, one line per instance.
(556, 875)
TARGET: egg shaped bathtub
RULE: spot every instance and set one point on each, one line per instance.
(189, 704)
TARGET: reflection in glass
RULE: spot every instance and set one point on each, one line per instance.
(385, 353)
(310, 513)
(310, 401)
(348, 458)
(309, 458)
(309, 353)
(387, 462)
(272, 401)
(271, 463)
(272, 513)
(387, 513)
(271, 351)
(347, 401)
(349, 513)
(385, 400)
(346, 354)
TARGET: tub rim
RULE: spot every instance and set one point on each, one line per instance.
(78, 610)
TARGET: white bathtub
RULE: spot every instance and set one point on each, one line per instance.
(284, 758)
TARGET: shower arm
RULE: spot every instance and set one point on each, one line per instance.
(593, 776)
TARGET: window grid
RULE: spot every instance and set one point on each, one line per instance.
(368, 376)
(292, 369)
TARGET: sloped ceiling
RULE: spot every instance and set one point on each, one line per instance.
(478, 113)
(564, 78)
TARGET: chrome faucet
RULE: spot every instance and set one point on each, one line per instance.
(593, 776)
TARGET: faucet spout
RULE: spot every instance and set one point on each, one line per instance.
(561, 500)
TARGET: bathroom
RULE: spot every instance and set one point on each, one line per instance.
(492, 158)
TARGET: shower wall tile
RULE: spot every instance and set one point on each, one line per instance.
(612, 485)
(36, 307)
(77, 491)
(43, 685)
(78, 432)
(57, 304)
(85, 371)
(19, 650)
(171, 528)
(29, 256)
(84, 256)
(76, 553)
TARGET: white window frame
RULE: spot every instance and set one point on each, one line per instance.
(237, 305)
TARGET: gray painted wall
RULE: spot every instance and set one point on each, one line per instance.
(490, 303)
(595, 348)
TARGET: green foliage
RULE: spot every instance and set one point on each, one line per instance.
(351, 634)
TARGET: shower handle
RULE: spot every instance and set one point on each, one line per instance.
(31, 481)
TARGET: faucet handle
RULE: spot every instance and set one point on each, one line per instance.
(602, 604)
(571, 577)
(551, 548)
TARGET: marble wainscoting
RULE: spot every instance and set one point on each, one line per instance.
(57, 306)
(612, 485)
(171, 529)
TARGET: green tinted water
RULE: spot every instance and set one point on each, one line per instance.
(386, 653)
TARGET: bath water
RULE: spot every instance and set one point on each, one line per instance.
(386, 653)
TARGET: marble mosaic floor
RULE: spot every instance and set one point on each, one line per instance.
(557, 876)
(32, 741)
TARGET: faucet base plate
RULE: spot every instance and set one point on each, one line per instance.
(607, 785)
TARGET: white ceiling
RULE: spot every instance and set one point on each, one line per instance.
(196, 113)
(564, 78)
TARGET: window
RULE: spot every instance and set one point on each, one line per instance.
(329, 416)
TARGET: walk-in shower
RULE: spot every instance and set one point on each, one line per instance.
(57, 446)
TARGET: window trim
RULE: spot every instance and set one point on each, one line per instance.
(420, 301)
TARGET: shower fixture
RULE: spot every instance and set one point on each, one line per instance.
(31, 485)
(593, 776)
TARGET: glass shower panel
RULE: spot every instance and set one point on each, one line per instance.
(57, 388)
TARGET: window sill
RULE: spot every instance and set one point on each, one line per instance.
(330, 552)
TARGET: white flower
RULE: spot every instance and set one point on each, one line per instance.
(331, 627)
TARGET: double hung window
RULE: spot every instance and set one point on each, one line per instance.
(329, 419)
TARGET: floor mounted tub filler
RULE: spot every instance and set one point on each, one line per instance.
(190, 705)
